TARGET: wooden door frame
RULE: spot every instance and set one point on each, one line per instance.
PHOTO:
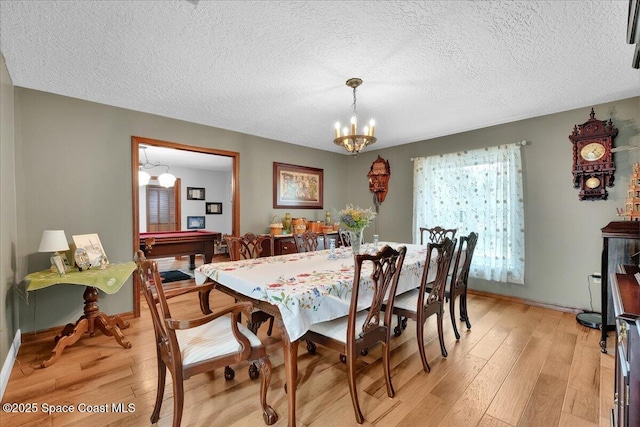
(136, 141)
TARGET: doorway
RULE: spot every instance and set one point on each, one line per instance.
(181, 150)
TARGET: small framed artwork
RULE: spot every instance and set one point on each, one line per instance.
(91, 244)
(195, 193)
(58, 263)
(297, 186)
(214, 208)
(195, 222)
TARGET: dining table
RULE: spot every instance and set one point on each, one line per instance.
(302, 289)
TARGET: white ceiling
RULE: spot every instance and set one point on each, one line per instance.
(277, 69)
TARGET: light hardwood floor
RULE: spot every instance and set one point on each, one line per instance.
(519, 365)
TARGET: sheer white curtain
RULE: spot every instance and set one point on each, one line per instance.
(481, 191)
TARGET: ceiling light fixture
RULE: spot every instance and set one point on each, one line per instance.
(350, 139)
(166, 179)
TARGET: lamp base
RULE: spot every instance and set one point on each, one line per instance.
(589, 319)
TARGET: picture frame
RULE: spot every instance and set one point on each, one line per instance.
(298, 187)
(195, 222)
(58, 263)
(92, 245)
(213, 208)
(195, 193)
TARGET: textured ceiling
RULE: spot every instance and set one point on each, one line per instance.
(277, 68)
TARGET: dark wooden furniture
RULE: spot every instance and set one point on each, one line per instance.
(286, 244)
(437, 234)
(188, 347)
(307, 242)
(626, 303)
(459, 280)
(345, 237)
(419, 304)
(593, 166)
(161, 244)
(626, 235)
(361, 330)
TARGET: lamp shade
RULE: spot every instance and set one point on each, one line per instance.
(167, 180)
(53, 241)
(143, 178)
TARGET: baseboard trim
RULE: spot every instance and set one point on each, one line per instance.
(526, 301)
(7, 366)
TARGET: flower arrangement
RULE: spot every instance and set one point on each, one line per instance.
(356, 218)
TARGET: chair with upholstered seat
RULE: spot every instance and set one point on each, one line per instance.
(307, 241)
(376, 275)
(460, 278)
(187, 347)
(419, 304)
(437, 234)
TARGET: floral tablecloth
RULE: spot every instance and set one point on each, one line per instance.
(308, 287)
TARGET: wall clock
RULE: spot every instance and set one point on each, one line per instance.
(593, 167)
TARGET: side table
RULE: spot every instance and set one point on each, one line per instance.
(110, 280)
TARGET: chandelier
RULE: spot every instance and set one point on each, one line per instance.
(166, 179)
(350, 139)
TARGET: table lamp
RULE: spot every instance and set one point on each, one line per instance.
(53, 241)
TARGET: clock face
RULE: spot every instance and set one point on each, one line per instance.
(592, 152)
(592, 183)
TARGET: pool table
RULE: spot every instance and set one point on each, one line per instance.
(161, 244)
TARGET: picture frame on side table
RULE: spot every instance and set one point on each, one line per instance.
(195, 222)
(91, 244)
(297, 186)
(195, 193)
(58, 263)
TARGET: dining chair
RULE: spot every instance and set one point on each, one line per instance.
(437, 234)
(308, 241)
(187, 347)
(362, 329)
(345, 238)
(460, 278)
(421, 303)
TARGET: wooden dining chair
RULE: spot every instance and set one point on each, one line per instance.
(187, 347)
(307, 241)
(459, 279)
(345, 238)
(419, 304)
(437, 234)
(363, 329)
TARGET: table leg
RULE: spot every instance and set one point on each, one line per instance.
(290, 351)
(192, 262)
(92, 318)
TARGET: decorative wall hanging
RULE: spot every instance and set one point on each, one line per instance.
(593, 166)
(379, 175)
(297, 186)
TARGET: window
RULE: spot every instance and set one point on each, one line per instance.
(481, 191)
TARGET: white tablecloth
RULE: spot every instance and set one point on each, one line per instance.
(309, 287)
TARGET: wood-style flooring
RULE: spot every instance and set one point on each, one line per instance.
(519, 365)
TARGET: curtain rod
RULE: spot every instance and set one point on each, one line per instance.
(522, 143)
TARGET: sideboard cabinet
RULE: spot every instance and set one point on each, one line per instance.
(283, 245)
(625, 290)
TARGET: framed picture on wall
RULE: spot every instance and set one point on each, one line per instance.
(195, 222)
(297, 186)
(195, 193)
(214, 208)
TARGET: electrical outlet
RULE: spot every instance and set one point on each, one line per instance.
(596, 277)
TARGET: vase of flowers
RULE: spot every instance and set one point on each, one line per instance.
(355, 220)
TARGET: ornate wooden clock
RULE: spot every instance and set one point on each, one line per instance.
(593, 166)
